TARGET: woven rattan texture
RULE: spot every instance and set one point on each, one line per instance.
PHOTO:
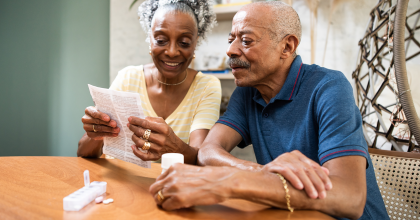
(398, 181)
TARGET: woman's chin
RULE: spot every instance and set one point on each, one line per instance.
(172, 72)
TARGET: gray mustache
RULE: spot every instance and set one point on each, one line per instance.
(238, 62)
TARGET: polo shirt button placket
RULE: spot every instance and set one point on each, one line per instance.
(266, 129)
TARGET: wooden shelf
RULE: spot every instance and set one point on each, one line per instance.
(227, 11)
(223, 76)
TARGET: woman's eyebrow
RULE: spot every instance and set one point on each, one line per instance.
(188, 32)
(159, 31)
(165, 31)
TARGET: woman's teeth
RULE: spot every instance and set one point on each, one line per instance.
(172, 64)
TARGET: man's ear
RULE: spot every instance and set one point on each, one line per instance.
(290, 43)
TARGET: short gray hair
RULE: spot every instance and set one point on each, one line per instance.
(200, 10)
(286, 20)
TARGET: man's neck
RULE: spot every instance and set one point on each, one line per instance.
(273, 83)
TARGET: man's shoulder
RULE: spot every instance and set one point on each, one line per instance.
(320, 75)
(320, 78)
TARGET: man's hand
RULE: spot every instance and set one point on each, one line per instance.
(184, 186)
(98, 124)
(302, 173)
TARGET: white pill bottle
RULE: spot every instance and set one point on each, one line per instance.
(169, 159)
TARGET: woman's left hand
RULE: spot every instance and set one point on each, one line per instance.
(162, 138)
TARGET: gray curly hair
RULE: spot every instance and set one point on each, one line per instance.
(200, 10)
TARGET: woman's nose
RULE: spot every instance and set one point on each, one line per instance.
(172, 51)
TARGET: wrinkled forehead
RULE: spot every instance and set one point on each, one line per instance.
(250, 20)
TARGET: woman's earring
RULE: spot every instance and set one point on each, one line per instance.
(194, 56)
(150, 50)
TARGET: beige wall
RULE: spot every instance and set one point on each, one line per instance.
(128, 46)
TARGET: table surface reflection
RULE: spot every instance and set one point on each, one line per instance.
(34, 188)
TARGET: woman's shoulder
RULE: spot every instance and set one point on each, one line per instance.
(205, 79)
(130, 75)
(131, 70)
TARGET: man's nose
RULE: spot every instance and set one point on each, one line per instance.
(233, 49)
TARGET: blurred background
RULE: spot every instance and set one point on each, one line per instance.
(51, 49)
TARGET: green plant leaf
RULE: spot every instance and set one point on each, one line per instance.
(134, 2)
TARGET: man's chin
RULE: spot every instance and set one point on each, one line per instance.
(241, 83)
(241, 76)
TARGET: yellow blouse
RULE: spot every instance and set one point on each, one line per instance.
(199, 109)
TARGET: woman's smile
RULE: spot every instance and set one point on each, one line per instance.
(171, 65)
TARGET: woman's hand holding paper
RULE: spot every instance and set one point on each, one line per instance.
(98, 124)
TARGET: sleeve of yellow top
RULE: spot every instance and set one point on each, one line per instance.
(119, 82)
(208, 109)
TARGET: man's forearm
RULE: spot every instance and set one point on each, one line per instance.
(215, 155)
(266, 188)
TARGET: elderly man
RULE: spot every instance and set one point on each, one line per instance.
(301, 120)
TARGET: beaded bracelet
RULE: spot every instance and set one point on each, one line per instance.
(287, 192)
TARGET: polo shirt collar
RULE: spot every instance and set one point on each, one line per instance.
(289, 88)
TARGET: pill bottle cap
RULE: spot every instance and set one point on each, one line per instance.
(171, 158)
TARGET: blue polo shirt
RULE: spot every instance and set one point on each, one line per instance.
(315, 113)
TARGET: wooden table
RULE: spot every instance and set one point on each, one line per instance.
(34, 188)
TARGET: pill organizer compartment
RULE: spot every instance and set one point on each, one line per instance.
(83, 196)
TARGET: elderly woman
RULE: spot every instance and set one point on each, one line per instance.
(181, 103)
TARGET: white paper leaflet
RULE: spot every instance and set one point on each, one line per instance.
(119, 106)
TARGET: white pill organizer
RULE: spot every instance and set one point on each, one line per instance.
(85, 195)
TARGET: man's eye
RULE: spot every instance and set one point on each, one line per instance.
(246, 42)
